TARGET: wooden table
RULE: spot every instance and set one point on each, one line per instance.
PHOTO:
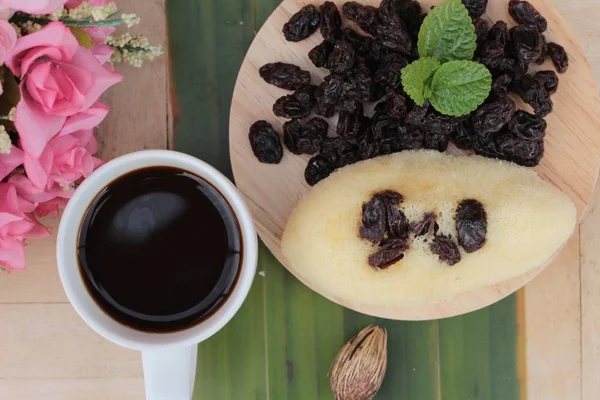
(46, 351)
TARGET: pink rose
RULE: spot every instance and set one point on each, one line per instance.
(8, 38)
(34, 6)
(59, 79)
(6, 12)
(10, 161)
(100, 50)
(16, 225)
(51, 207)
(65, 160)
(27, 190)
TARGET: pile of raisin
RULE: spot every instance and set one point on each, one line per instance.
(364, 67)
(385, 225)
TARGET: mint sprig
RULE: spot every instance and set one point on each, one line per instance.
(448, 33)
(459, 87)
(416, 78)
(445, 74)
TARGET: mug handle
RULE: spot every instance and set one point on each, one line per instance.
(169, 373)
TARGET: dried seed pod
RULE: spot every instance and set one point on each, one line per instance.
(357, 372)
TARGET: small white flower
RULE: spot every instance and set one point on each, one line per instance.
(5, 142)
(12, 113)
(130, 19)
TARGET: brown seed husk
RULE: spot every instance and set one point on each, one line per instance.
(357, 372)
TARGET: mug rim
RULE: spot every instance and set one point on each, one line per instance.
(70, 272)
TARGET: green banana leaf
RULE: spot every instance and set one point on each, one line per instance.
(282, 342)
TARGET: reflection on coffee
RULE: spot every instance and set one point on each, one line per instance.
(159, 249)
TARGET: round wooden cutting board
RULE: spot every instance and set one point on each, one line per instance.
(572, 143)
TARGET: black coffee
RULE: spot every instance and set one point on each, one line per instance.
(159, 249)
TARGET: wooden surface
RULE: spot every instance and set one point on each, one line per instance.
(571, 161)
(48, 353)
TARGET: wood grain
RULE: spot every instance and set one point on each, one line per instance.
(571, 162)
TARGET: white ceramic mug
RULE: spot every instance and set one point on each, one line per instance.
(169, 359)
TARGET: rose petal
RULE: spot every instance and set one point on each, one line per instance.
(103, 79)
(85, 120)
(38, 169)
(10, 161)
(54, 36)
(12, 253)
(35, 127)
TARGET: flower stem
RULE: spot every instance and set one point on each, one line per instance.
(68, 22)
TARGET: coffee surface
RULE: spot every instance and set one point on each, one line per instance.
(159, 249)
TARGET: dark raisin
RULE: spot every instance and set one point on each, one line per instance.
(444, 247)
(501, 84)
(471, 225)
(320, 54)
(534, 94)
(368, 147)
(349, 124)
(358, 82)
(426, 226)
(302, 24)
(542, 58)
(347, 105)
(499, 32)
(485, 145)
(339, 151)
(481, 30)
(559, 57)
(317, 169)
(395, 37)
(527, 45)
(388, 13)
(476, 8)
(265, 143)
(524, 13)
(285, 76)
(416, 115)
(463, 136)
(491, 117)
(342, 58)
(411, 138)
(361, 43)
(387, 75)
(527, 153)
(366, 17)
(548, 79)
(507, 65)
(330, 91)
(398, 226)
(491, 53)
(374, 220)
(297, 105)
(527, 126)
(331, 22)
(325, 110)
(388, 253)
(304, 139)
(437, 129)
(396, 105)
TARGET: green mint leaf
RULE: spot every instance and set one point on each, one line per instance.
(416, 78)
(459, 87)
(448, 33)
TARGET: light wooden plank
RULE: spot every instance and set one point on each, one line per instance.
(552, 329)
(50, 341)
(590, 301)
(70, 389)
